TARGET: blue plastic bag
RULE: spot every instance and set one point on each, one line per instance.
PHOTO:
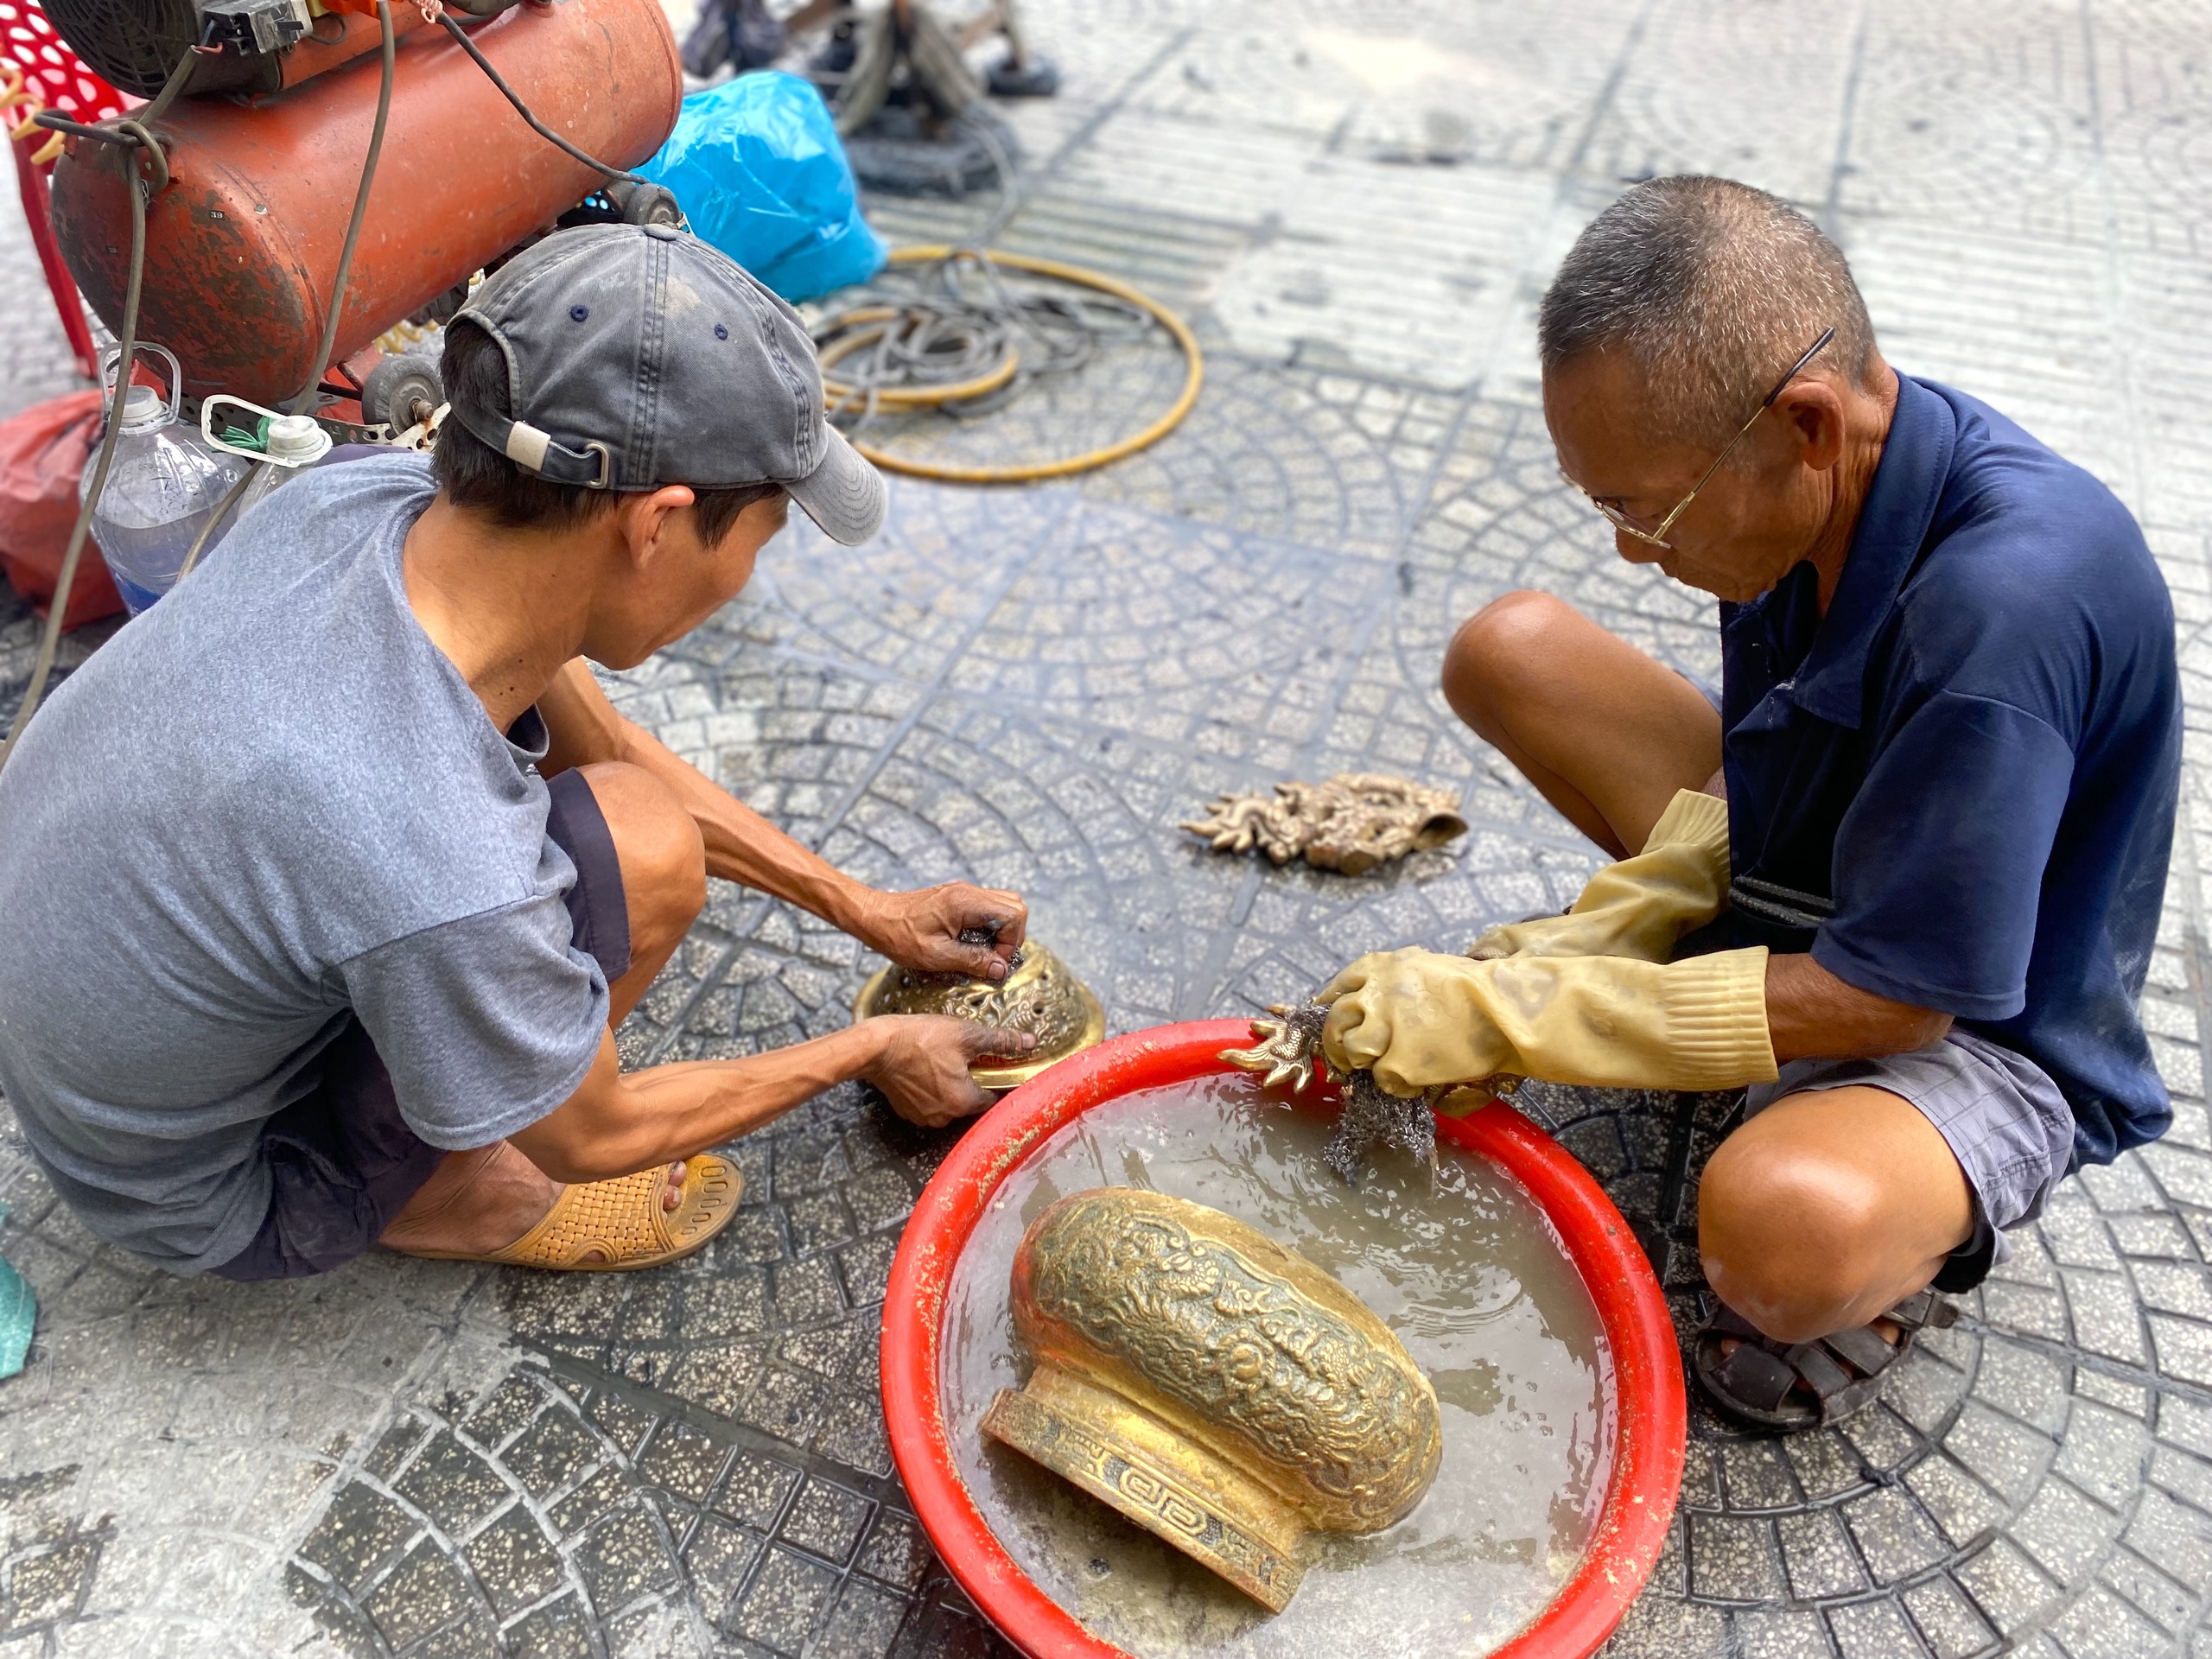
(756, 167)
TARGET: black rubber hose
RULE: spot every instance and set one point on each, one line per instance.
(127, 347)
(523, 109)
(231, 497)
(304, 403)
(171, 89)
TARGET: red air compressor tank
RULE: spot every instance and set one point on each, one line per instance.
(242, 247)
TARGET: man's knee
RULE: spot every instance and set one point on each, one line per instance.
(663, 857)
(1498, 650)
(1790, 1237)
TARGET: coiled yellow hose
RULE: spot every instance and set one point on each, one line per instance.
(843, 396)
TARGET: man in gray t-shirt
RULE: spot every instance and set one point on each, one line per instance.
(323, 885)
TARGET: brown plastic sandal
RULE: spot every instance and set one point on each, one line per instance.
(1791, 1386)
(622, 1219)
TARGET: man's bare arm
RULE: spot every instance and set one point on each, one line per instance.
(741, 845)
(1811, 1013)
(617, 1122)
(918, 930)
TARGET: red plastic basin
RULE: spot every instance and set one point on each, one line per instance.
(1642, 1386)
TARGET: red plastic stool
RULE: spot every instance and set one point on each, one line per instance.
(39, 72)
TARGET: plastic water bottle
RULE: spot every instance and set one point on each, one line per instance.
(162, 488)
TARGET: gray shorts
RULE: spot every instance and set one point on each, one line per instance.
(2002, 1116)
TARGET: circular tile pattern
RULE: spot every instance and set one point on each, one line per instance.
(690, 1461)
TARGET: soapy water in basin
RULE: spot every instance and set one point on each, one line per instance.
(1470, 1278)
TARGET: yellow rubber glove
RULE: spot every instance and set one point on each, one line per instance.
(1419, 1019)
(1639, 906)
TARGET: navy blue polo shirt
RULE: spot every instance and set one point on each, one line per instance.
(1957, 788)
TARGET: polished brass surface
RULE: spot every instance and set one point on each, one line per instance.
(1219, 1389)
(1040, 996)
(1166, 1482)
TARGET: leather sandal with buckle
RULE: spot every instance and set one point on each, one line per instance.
(623, 1221)
(1791, 1386)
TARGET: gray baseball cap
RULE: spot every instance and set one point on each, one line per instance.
(638, 356)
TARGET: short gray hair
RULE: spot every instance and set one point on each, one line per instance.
(1713, 288)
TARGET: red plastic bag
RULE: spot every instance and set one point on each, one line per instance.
(42, 454)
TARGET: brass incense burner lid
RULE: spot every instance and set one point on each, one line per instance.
(1215, 1388)
(1040, 996)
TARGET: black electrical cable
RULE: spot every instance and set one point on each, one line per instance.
(137, 188)
(171, 89)
(933, 328)
(302, 405)
(1011, 191)
(523, 109)
(230, 498)
(914, 331)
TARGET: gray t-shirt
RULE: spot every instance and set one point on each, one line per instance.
(268, 804)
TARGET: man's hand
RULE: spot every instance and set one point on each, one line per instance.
(1418, 1019)
(915, 930)
(922, 1063)
(922, 930)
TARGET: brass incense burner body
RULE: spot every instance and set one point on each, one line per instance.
(1216, 1389)
(1040, 996)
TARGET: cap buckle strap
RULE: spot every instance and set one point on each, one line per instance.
(537, 451)
(525, 445)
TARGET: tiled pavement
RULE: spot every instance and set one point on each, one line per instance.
(1358, 205)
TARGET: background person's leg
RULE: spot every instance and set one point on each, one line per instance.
(1605, 733)
(1829, 1208)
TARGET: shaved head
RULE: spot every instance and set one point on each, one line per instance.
(1711, 289)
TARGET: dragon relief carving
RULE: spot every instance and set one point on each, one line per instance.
(1347, 1421)
(1350, 823)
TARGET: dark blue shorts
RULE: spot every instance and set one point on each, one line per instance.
(2004, 1119)
(342, 1161)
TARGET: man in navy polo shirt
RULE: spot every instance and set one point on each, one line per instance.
(1949, 740)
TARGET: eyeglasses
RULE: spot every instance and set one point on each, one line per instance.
(1657, 537)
